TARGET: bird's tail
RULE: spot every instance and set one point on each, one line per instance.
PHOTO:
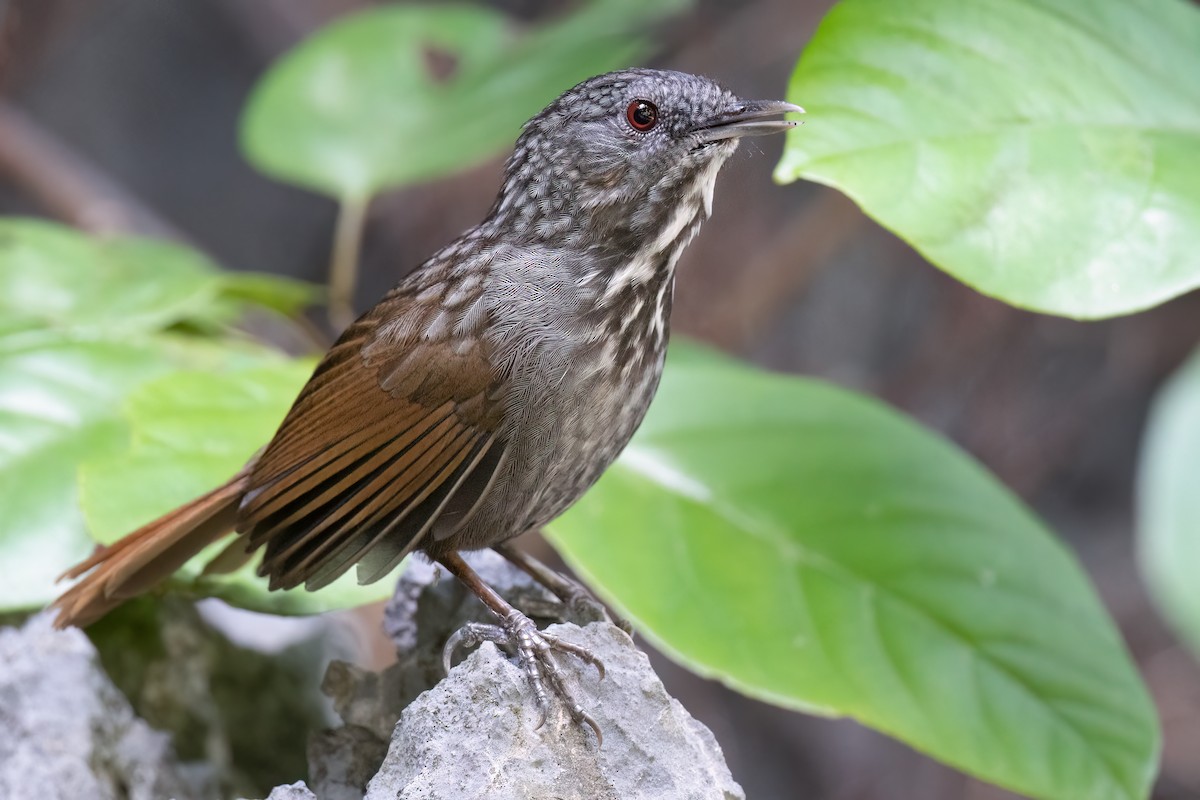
(134, 563)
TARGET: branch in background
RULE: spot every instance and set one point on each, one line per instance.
(71, 189)
(67, 186)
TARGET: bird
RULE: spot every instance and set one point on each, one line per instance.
(492, 386)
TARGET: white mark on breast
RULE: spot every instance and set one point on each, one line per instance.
(638, 270)
(682, 217)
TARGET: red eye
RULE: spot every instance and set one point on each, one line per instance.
(642, 115)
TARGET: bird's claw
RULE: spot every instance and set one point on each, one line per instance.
(582, 605)
(534, 650)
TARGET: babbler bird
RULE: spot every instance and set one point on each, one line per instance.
(490, 388)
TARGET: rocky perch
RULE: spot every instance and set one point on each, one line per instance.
(66, 732)
(471, 734)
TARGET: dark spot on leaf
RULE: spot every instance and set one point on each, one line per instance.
(441, 63)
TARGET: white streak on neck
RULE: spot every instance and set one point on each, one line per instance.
(639, 270)
(707, 182)
(683, 215)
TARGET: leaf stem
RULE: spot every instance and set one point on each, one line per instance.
(343, 264)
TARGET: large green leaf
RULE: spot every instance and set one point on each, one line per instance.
(812, 548)
(362, 105)
(1046, 152)
(55, 277)
(282, 295)
(83, 323)
(1169, 503)
(57, 407)
(191, 432)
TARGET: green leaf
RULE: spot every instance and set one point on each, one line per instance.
(362, 105)
(1169, 505)
(190, 433)
(1046, 152)
(53, 276)
(285, 296)
(812, 548)
(82, 324)
(58, 401)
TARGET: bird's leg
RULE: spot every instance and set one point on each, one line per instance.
(533, 647)
(574, 595)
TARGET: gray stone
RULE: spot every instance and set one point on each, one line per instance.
(294, 791)
(428, 605)
(67, 732)
(473, 735)
(343, 760)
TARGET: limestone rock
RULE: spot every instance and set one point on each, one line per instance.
(67, 732)
(294, 791)
(427, 607)
(472, 736)
(343, 760)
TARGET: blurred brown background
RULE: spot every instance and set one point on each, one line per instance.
(144, 96)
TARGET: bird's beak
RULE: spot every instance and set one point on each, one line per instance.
(748, 118)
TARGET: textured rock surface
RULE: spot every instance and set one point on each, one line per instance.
(473, 736)
(427, 607)
(67, 732)
(343, 760)
(244, 713)
(294, 791)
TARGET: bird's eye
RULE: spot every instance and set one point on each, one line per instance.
(642, 115)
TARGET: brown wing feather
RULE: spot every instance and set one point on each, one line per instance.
(390, 431)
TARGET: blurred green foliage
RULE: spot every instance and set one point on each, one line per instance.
(123, 391)
(405, 93)
(189, 431)
(1169, 502)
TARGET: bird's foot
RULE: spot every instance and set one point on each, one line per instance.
(582, 605)
(579, 603)
(534, 650)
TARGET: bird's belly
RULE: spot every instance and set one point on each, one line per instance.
(568, 438)
(593, 435)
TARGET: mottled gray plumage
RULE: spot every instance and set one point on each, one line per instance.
(486, 392)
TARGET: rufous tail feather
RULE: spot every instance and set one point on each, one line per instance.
(149, 555)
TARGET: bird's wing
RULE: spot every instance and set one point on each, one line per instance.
(394, 432)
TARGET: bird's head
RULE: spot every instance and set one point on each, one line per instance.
(616, 153)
